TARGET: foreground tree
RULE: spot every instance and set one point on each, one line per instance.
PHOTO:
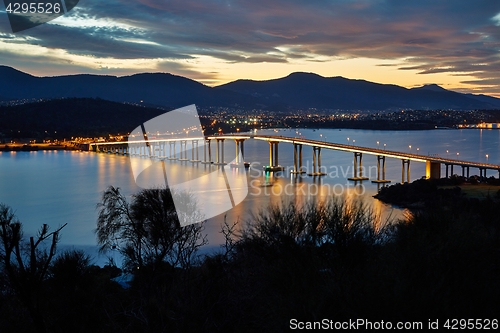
(26, 265)
(147, 230)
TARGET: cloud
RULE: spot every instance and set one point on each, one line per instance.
(454, 37)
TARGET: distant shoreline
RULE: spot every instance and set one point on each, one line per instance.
(34, 147)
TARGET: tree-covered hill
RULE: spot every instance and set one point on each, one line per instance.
(64, 118)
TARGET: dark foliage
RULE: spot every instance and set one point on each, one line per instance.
(323, 260)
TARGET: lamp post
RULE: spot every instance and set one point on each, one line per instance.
(378, 144)
(385, 144)
(347, 141)
(410, 148)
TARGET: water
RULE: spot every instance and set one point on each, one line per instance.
(57, 187)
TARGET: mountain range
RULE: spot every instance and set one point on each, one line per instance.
(295, 91)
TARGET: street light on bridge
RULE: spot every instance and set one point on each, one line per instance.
(410, 148)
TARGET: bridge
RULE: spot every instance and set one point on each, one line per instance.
(158, 148)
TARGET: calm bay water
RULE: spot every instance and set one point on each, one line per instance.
(57, 187)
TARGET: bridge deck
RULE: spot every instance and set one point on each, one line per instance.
(327, 145)
(368, 150)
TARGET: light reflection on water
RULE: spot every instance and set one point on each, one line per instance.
(57, 187)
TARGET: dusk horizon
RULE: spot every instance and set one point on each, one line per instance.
(221, 84)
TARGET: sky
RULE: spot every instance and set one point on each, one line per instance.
(455, 43)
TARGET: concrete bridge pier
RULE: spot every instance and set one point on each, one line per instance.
(316, 163)
(219, 153)
(240, 151)
(355, 176)
(297, 159)
(273, 157)
(482, 173)
(150, 150)
(433, 170)
(172, 152)
(407, 164)
(379, 169)
(161, 150)
(183, 151)
(194, 151)
(157, 150)
(206, 147)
